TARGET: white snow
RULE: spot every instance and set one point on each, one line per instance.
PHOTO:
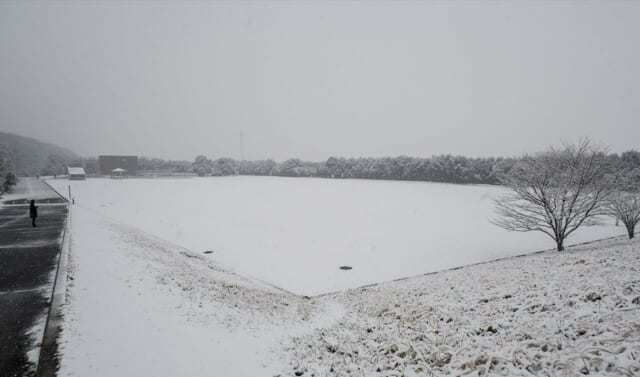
(139, 306)
(75, 171)
(296, 232)
(28, 188)
(552, 314)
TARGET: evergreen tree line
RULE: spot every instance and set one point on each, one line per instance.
(442, 168)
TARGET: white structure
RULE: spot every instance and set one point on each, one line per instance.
(118, 173)
(76, 174)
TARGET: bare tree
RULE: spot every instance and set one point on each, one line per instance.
(555, 192)
(625, 206)
(624, 203)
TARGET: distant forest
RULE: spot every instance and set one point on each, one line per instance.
(30, 157)
(454, 169)
(442, 168)
(26, 156)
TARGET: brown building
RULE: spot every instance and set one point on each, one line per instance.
(107, 164)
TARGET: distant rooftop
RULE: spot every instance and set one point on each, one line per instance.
(75, 171)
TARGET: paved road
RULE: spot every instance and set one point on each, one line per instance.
(28, 261)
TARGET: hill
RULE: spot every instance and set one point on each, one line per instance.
(30, 156)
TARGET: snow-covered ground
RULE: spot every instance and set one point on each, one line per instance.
(138, 304)
(295, 233)
(550, 314)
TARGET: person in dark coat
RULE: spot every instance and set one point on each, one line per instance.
(33, 213)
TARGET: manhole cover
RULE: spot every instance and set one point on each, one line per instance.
(346, 267)
(208, 252)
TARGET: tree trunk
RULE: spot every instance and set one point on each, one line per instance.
(560, 245)
(631, 230)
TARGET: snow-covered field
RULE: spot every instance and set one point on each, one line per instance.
(295, 233)
(138, 304)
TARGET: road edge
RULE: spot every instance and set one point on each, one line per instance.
(48, 362)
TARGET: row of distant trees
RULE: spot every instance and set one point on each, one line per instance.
(444, 168)
(161, 165)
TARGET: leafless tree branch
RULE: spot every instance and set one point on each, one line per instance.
(556, 192)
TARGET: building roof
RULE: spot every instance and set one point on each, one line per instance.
(75, 171)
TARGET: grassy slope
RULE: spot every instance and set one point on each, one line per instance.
(564, 314)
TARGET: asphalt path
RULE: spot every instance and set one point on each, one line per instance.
(28, 262)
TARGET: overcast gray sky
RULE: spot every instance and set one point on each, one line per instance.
(310, 80)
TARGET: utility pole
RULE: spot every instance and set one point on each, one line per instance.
(241, 145)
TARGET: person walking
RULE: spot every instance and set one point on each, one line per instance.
(33, 213)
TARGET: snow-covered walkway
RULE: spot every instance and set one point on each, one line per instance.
(28, 265)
